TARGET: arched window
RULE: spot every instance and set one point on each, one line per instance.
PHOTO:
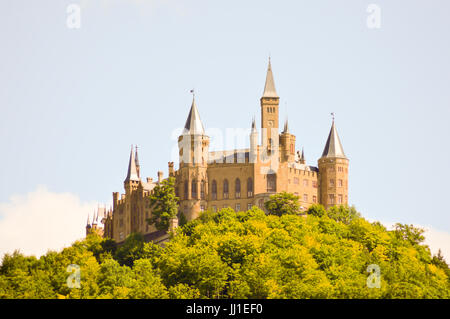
(225, 189)
(194, 190)
(202, 189)
(237, 188)
(271, 182)
(249, 187)
(186, 189)
(214, 189)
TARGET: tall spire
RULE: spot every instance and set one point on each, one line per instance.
(94, 219)
(286, 126)
(302, 158)
(132, 174)
(136, 160)
(87, 224)
(253, 125)
(333, 147)
(193, 123)
(269, 88)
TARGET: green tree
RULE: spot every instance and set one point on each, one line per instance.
(164, 204)
(132, 249)
(343, 213)
(316, 210)
(409, 233)
(282, 203)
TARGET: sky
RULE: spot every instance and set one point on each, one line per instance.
(73, 100)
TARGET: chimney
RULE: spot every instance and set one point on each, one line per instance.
(160, 176)
(171, 172)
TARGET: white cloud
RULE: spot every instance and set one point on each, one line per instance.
(42, 220)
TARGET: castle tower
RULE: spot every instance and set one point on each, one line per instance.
(192, 179)
(333, 172)
(132, 180)
(253, 143)
(287, 144)
(88, 226)
(269, 112)
(302, 157)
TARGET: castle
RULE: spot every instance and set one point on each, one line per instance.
(239, 178)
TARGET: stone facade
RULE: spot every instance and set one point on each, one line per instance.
(237, 178)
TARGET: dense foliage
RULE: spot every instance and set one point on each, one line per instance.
(164, 204)
(228, 254)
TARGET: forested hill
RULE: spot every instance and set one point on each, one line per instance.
(242, 255)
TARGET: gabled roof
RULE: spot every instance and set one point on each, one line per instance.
(333, 147)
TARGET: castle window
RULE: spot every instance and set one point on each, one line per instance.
(305, 183)
(186, 189)
(214, 189)
(214, 208)
(271, 182)
(225, 189)
(249, 206)
(332, 182)
(194, 189)
(202, 189)
(331, 199)
(339, 199)
(305, 197)
(202, 208)
(249, 187)
(238, 188)
(295, 180)
(238, 207)
(314, 184)
(261, 203)
(339, 182)
(314, 199)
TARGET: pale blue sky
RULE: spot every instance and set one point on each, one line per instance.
(72, 101)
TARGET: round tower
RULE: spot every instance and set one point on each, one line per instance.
(333, 172)
(192, 178)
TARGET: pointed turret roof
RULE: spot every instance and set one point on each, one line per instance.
(193, 123)
(94, 219)
(136, 160)
(132, 174)
(302, 158)
(269, 88)
(87, 224)
(253, 125)
(286, 126)
(333, 147)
